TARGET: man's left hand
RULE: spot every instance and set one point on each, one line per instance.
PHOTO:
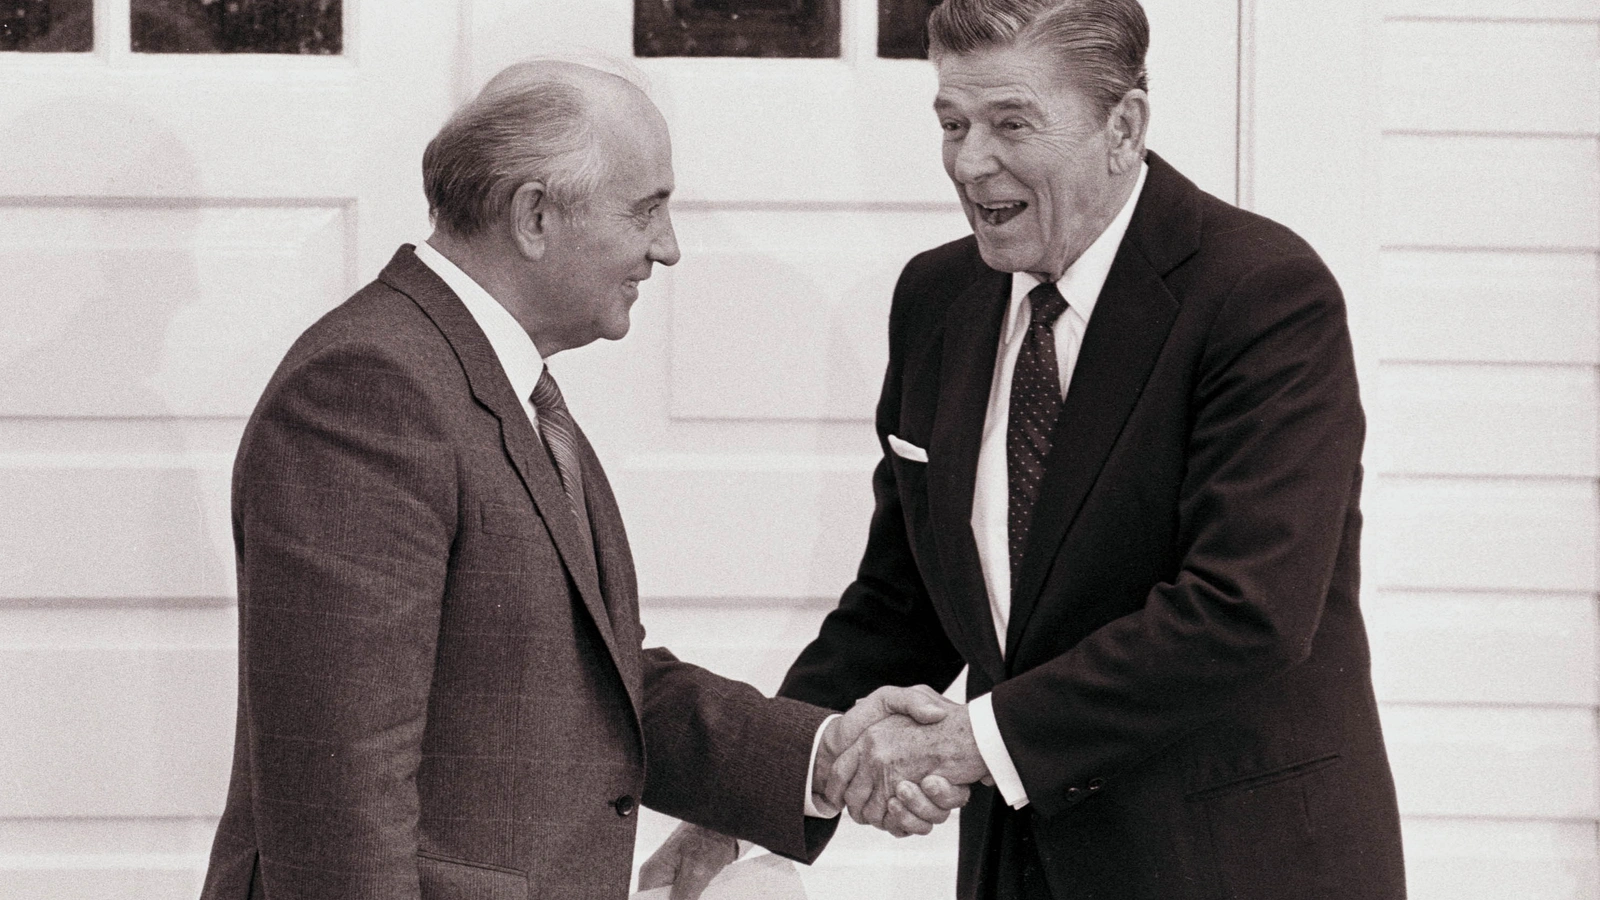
(689, 859)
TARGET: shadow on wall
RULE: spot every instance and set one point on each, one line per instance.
(92, 284)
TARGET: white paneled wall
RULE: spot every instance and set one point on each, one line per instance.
(168, 225)
(1481, 549)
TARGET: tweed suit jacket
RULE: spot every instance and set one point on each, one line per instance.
(1185, 688)
(440, 695)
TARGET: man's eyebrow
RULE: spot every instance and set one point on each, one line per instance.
(657, 197)
(1004, 104)
(1013, 104)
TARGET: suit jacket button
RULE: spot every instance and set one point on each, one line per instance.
(1096, 784)
(625, 805)
(1074, 794)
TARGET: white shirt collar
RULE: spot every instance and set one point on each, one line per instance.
(518, 355)
(1080, 284)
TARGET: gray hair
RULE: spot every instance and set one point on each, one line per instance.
(529, 123)
(1101, 43)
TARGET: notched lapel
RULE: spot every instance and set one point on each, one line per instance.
(617, 580)
(971, 338)
(407, 274)
(1131, 321)
(1129, 327)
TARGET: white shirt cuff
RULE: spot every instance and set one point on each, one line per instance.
(816, 744)
(992, 747)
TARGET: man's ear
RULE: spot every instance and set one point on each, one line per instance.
(530, 219)
(1126, 128)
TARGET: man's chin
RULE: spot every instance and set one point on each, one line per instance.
(1001, 259)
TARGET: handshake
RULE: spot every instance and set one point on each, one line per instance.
(901, 759)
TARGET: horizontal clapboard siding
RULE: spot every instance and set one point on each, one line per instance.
(1492, 10)
(1481, 534)
(1499, 859)
(1444, 647)
(1496, 77)
(1476, 419)
(1481, 548)
(1488, 306)
(1503, 192)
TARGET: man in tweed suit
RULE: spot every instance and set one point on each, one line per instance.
(442, 687)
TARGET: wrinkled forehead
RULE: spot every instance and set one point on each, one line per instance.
(1001, 76)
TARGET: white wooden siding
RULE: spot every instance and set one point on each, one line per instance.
(1483, 397)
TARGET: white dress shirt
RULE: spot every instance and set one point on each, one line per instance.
(518, 356)
(1080, 285)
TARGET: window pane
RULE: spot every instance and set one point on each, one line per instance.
(903, 28)
(238, 26)
(736, 28)
(47, 26)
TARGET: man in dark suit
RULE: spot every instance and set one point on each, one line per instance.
(442, 688)
(1120, 485)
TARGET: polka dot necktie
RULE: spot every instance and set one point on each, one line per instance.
(560, 436)
(1035, 406)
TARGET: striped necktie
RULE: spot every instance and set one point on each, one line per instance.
(560, 435)
(1035, 406)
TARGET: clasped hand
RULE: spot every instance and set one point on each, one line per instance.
(901, 759)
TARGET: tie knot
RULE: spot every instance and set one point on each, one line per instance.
(1048, 304)
(546, 395)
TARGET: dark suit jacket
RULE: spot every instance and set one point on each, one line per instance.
(440, 695)
(1186, 687)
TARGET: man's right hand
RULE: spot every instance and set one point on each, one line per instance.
(916, 808)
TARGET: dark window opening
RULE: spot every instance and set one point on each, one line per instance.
(47, 26)
(306, 27)
(903, 28)
(771, 28)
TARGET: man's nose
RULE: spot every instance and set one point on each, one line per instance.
(664, 249)
(974, 158)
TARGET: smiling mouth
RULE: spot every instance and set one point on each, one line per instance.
(997, 214)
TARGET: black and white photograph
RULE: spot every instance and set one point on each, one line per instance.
(799, 450)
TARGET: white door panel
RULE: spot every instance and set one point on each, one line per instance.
(168, 225)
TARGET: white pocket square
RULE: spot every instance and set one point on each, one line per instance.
(907, 450)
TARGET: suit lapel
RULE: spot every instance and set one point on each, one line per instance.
(617, 580)
(487, 378)
(1132, 317)
(971, 336)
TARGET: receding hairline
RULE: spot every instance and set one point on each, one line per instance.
(590, 82)
(545, 120)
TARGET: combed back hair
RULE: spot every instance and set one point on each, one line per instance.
(527, 124)
(1101, 43)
